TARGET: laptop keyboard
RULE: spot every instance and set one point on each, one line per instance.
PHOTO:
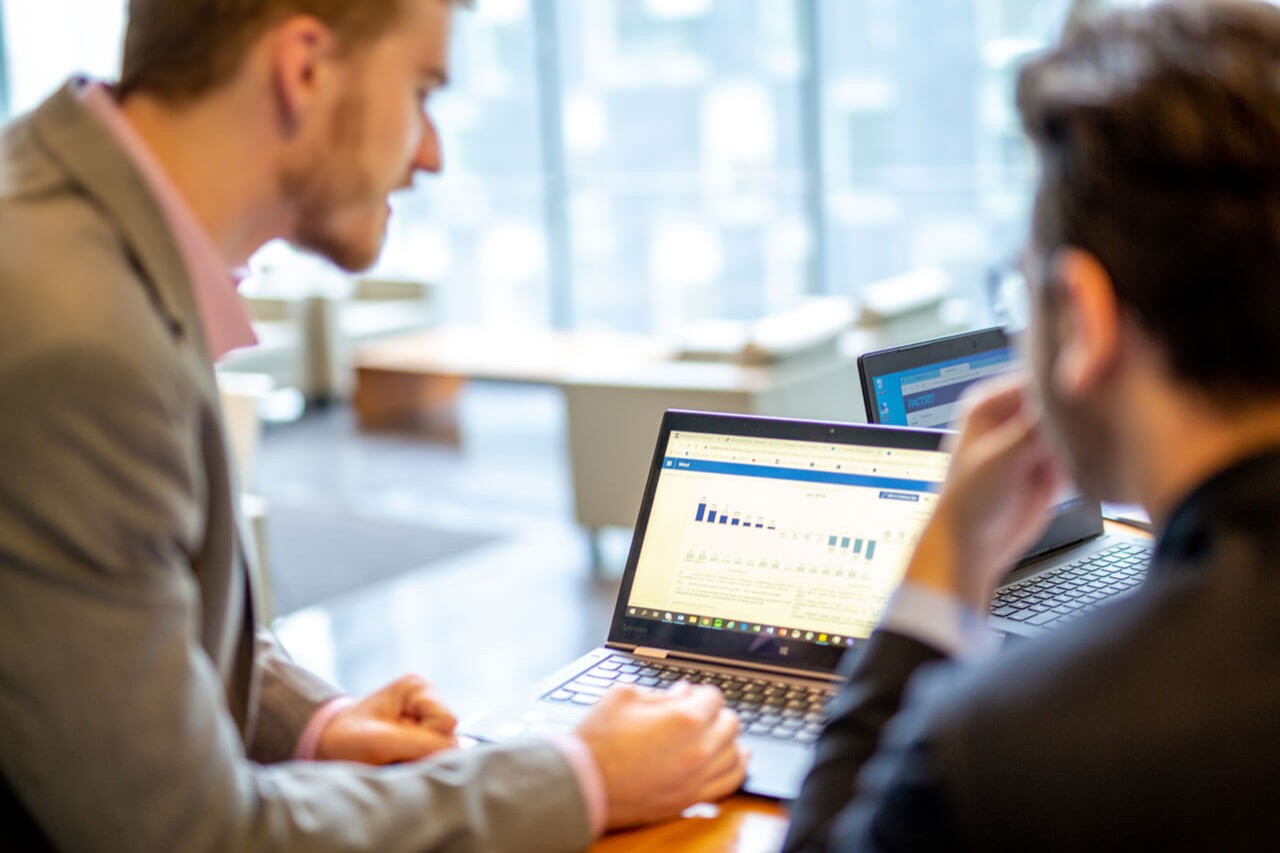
(766, 708)
(796, 712)
(1063, 593)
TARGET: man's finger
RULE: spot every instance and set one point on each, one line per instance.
(399, 743)
(619, 694)
(729, 780)
(994, 401)
(725, 730)
(429, 710)
(726, 755)
(702, 701)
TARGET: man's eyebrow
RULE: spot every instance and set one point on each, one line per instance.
(436, 76)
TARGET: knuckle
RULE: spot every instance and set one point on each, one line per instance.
(687, 722)
(694, 760)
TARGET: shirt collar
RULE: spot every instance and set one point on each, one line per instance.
(223, 316)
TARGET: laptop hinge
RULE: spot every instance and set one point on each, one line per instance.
(657, 654)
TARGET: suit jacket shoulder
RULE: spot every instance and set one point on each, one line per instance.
(137, 711)
(1146, 724)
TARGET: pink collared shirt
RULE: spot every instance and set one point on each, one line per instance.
(222, 314)
(226, 327)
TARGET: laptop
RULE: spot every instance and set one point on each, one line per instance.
(1076, 565)
(764, 549)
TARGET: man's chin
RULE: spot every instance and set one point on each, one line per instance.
(348, 253)
(357, 260)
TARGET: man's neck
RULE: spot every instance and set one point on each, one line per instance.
(1186, 443)
(222, 172)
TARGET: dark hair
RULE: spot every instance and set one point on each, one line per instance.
(1158, 131)
(178, 49)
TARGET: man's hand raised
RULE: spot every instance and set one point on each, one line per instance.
(661, 752)
(995, 503)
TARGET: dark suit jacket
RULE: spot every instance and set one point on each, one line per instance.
(139, 707)
(1150, 724)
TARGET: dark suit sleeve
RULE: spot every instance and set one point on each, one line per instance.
(865, 791)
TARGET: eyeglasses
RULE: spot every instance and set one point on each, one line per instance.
(1009, 297)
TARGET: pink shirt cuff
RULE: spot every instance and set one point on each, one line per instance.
(309, 742)
(590, 782)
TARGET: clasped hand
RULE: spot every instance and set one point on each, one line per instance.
(403, 721)
(657, 752)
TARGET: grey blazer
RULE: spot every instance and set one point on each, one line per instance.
(139, 708)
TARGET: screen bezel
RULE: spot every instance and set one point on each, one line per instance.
(921, 354)
(768, 650)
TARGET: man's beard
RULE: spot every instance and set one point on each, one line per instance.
(331, 188)
(1082, 436)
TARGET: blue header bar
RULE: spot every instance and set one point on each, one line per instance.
(706, 466)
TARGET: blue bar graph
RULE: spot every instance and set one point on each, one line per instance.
(730, 518)
(705, 514)
(857, 545)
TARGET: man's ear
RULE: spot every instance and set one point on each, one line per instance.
(1086, 322)
(301, 50)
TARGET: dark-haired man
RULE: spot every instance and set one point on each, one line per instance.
(1154, 275)
(140, 708)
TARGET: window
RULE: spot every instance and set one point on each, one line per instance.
(480, 228)
(685, 168)
(924, 161)
(642, 164)
(42, 43)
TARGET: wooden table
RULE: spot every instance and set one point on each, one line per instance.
(741, 824)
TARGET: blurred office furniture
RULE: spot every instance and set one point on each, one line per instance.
(307, 335)
(241, 394)
(799, 363)
(615, 386)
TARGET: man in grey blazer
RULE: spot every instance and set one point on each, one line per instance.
(140, 705)
(1153, 274)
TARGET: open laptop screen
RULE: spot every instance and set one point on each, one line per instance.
(920, 384)
(772, 540)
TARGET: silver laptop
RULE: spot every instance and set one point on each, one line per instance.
(1076, 566)
(764, 549)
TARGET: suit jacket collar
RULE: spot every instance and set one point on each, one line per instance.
(86, 151)
(1240, 502)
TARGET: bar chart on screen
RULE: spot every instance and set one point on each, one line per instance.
(849, 545)
(814, 537)
(823, 560)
